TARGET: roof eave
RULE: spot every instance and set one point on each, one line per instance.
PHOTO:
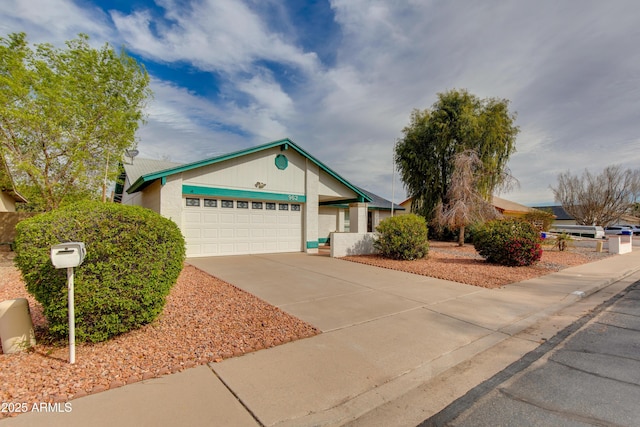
(145, 180)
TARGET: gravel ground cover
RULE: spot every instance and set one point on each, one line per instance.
(449, 261)
(205, 320)
(208, 320)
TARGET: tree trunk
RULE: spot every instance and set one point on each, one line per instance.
(461, 237)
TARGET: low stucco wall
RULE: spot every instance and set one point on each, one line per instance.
(620, 244)
(343, 244)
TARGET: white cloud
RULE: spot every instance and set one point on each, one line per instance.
(52, 21)
(570, 70)
(214, 35)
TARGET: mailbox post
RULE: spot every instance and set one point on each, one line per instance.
(69, 255)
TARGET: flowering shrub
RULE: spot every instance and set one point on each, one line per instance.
(403, 237)
(508, 242)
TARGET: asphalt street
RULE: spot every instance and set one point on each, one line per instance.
(586, 375)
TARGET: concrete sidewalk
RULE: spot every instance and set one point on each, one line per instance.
(385, 332)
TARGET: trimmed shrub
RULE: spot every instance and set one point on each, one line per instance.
(403, 237)
(508, 242)
(134, 257)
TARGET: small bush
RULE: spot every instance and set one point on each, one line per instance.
(563, 240)
(541, 219)
(508, 242)
(403, 237)
(134, 257)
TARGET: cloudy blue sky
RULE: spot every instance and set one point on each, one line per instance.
(340, 77)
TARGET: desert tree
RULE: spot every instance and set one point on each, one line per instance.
(456, 122)
(66, 116)
(465, 204)
(598, 199)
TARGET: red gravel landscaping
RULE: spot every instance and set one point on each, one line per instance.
(449, 261)
(204, 320)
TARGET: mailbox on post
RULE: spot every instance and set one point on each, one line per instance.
(69, 255)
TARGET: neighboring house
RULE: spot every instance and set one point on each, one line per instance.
(8, 194)
(271, 198)
(563, 218)
(507, 208)
(510, 209)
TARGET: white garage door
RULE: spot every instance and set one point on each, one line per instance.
(215, 226)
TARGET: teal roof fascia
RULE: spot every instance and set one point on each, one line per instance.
(145, 180)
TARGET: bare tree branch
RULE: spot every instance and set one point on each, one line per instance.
(598, 199)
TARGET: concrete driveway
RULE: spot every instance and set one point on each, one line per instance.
(384, 331)
(329, 293)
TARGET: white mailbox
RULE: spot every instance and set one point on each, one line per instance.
(70, 254)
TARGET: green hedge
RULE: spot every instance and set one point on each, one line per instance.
(403, 237)
(508, 242)
(134, 257)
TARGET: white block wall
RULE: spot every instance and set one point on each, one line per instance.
(343, 244)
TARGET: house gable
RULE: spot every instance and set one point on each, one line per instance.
(238, 167)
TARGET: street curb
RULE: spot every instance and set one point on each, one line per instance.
(460, 405)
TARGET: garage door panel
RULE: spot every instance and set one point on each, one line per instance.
(210, 233)
(226, 233)
(227, 218)
(209, 218)
(192, 233)
(213, 230)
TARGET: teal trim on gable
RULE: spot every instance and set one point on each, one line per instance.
(242, 194)
(163, 180)
(323, 240)
(340, 203)
(312, 244)
(284, 144)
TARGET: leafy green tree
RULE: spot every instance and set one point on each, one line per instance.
(66, 116)
(541, 218)
(457, 121)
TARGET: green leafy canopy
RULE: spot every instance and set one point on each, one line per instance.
(67, 115)
(456, 122)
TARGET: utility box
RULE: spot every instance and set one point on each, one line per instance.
(70, 254)
(16, 326)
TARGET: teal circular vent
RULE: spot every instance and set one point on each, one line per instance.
(282, 162)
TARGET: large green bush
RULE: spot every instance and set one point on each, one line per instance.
(508, 242)
(134, 257)
(403, 237)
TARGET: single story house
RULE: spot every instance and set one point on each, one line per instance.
(8, 194)
(506, 208)
(562, 217)
(274, 197)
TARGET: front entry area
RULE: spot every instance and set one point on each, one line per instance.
(218, 226)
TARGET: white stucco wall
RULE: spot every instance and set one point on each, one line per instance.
(151, 197)
(7, 202)
(244, 172)
(343, 244)
(358, 217)
(171, 201)
(310, 220)
(328, 221)
(620, 244)
(329, 187)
